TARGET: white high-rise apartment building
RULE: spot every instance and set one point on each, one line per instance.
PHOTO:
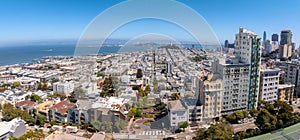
(248, 49)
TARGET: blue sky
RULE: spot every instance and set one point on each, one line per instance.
(35, 20)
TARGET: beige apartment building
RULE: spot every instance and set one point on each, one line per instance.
(211, 94)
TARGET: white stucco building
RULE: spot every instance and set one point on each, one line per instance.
(13, 128)
(269, 85)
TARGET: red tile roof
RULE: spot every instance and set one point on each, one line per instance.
(59, 105)
(62, 111)
(25, 104)
(63, 106)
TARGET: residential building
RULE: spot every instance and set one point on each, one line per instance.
(211, 95)
(102, 109)
(195, 111)
(185, 110)
(286, 93)
(248, 49)
(292, 73)
(14, 128)
(26, 105)
(177, 113)
(58, 112)
(269, 85)
(236, 84)
(63, 87)
(43, 108)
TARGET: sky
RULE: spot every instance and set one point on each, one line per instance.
(46, 20)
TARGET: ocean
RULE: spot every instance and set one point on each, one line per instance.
(26, 53)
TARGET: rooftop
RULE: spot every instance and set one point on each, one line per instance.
(176, 105)
(25, 104)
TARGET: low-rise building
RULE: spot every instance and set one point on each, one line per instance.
(185, 110)
(59, 111)
(65, 88)
(177, 113)
(43, 108)
(26, 105)
(102, 109)
(269, 81)
(286, 92)
(13, 128)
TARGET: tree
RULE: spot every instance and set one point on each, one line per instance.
(219, 131)
(10, 112)
(239, 115)
(40, 119)
(36, 98)
(136, 112)
(102, 126)
(42, 86)
(160, 106)
(148, 89)
(253, 112)
(72, 98)
(96, 125)
(132, 112)
(265, 120)
(231, 118)
(183, 125)
(16, 84)
(119, 125)
(107, 88)
(135, 88)
(142, 93)
(139, 73)
(175, 96)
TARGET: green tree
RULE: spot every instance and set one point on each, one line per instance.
(183, 125)
(219, 131)
(16, 84)
(142, 92)
(36, 98)
(72, 98)
(132, 112)
(265, 120)
(148, 89)
(40, 119)
(160, 106)
(253, 112)
(118, 126)
(107, 88)
(239, 114)
(96, 125)
(139, 73)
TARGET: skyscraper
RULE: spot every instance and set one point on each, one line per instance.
(275, 37)
(226, 44)
(265, 37)
(285, 47)
(286, 37)
(248, 48)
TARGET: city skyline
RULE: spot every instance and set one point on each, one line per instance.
(61, 20)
